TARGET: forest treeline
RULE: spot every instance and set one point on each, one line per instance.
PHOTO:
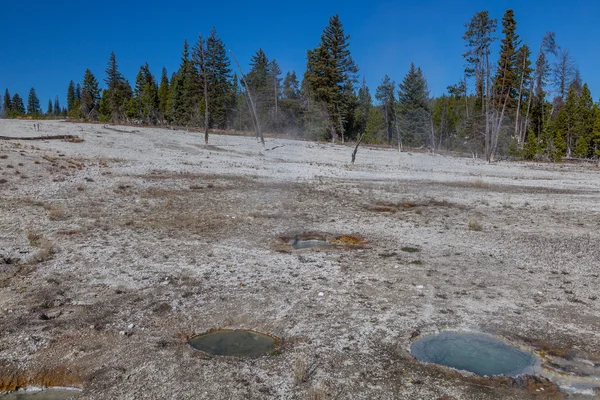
(505, 104)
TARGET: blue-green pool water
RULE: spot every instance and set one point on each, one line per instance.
(238, 343)
(478, 353)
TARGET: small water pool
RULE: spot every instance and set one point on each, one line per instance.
(298, 244)
(236, 343)
(474, 352)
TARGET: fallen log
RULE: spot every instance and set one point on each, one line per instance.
(54, 137)
(118, 130)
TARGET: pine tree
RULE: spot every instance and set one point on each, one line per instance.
(413, 107)
(258, 83)
(595, 137)
(385, 95)
(90, 95)
(33, 103)
(184, 91)
(375, 127)
(7, 103)
(118, 91)
(49, 111)
(199, 56)
(71, 96)
(531, 149)
(18, 108)
(163, 96)
(584, 124)
(479, 39)
(330, 72)
(219, 80)
(78, 93)
(57, 110)
(365, 103)
(523, 78)
(291, 86)
(507, 80)
(275, 85)
(145, 105)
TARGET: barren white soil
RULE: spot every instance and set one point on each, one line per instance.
(115, 250)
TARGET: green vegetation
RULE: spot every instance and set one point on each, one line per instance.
(505, 105)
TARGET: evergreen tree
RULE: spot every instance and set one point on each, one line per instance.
(145, 105)
(531, 150)
(258, 84)
(90, 95)
(363, 110)
(584, 125)
(199, 53)
(17, 106)
(118, 91)
(291, 86)
(33, 103)
(413, 107)
(184, 91)
(330, 71)
(57, 110)
(523, 78)
(275, 85)
(7, 103)
(507, 80)
(385, 95)
(479, 39)
(595, 137)
(78, 93)
(291, 104)
(375, 128)
(163, 96)
(71, 96)
(49, 111)
(219, 80)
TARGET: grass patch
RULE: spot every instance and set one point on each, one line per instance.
(56, 213)
(409, 249)
(475, 224)
(46, 247)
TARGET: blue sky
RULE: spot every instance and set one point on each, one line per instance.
(46, 44)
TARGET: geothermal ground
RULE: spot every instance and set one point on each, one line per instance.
(116, 249)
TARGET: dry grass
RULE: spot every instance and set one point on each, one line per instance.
(56, 213)
(301, 368)
(46, 247)
(475, 224)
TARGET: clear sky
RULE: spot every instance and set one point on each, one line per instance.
(47, 43)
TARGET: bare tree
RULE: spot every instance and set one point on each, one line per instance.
(563, 72)
(253, 106)
(548, 46)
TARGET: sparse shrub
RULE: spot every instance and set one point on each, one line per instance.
(56, 213)
(475, 224)
(34, 238)
(45, 246)
(409, 249)
(479, 183)
(301, 369)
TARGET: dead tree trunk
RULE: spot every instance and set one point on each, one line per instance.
(517, 133)
(253, 110)
(360, 139)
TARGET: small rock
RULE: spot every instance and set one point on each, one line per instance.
(419, 287)
(122, 333)
(130, 326)
(321, 294)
